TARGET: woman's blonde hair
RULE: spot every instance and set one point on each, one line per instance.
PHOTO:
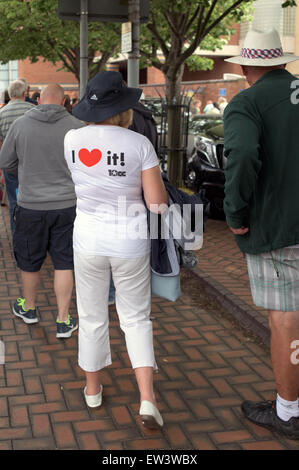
(123, 119)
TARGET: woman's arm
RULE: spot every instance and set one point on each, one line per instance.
(154, 191)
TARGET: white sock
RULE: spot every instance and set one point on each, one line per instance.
(287, 409)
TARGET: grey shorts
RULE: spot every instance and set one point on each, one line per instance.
(274, 279)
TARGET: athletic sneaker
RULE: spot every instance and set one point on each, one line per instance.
(264, 414)
(28, 315)
(66, 328)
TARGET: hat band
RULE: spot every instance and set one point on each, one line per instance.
(261, 53)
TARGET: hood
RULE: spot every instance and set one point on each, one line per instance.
(216, 131)
(47, 112)
(140, 108)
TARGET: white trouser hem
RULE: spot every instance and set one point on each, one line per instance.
(137, 366)
(94, 368)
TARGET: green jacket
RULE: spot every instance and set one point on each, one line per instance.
(261, 141)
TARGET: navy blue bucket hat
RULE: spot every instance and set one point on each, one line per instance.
(105, 96)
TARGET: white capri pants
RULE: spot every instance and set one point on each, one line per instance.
(133, 303)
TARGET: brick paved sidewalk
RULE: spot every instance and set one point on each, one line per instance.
(207, 366)
(223, 270)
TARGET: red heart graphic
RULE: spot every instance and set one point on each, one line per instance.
(90, 158)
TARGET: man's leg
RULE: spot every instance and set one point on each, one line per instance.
(30, 281)
(61, 251)
(30, 249)
(281, 415)
(284, 330)
(25, 307)
(63, 288)
(270, 290)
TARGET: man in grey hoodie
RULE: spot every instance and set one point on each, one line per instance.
(46, 203)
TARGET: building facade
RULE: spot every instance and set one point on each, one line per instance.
(224, 76)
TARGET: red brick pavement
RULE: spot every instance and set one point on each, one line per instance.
(207, 366)
(223, 269)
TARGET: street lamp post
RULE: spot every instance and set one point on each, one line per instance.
(135, 11)
(83, 46)
(133, 57)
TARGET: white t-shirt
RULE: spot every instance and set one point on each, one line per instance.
(106, 164)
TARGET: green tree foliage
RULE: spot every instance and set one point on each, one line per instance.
(289, 3)
(177, 28)
(169, 41)
(32, 29)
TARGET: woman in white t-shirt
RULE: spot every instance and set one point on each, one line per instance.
(111, 166)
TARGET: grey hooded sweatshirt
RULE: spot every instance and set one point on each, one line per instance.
(34, 148)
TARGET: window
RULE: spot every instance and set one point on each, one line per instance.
(8, 73)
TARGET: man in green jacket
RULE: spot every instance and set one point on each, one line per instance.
(261, 141)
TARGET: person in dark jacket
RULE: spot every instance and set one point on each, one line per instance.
(27, 97)
(185, 226)
(144, 123)
(6, 97)
(261, 128)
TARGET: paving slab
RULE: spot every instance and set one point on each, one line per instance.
(208, 364)
(222, 269)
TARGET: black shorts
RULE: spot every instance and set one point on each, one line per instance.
(39, 232)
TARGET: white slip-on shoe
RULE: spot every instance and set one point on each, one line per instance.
(94, 401)
(150, 415)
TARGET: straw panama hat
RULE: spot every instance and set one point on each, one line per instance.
(262, 49)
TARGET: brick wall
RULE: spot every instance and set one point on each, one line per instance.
(41, 73)
(154, 75)
(220, 67)
(211, 80)
(210, 89)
